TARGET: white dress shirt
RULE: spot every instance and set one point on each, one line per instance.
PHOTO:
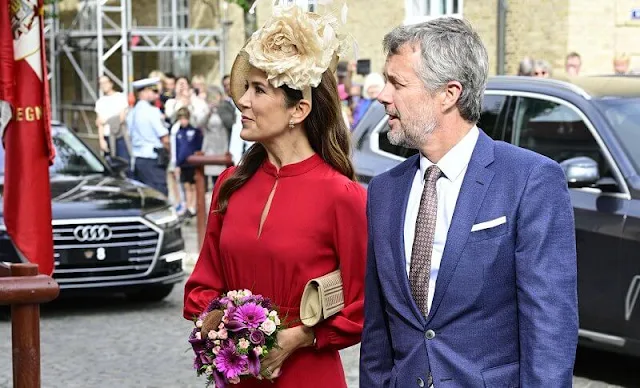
(454, 166)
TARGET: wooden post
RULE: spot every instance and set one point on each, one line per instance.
(199, 161)
(24, 290)
(201, 212)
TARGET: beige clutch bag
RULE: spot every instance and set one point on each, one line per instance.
(322, 298)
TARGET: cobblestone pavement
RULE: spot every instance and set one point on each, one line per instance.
(110, 342)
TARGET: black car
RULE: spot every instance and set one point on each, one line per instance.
(591, 126)
(110, 234)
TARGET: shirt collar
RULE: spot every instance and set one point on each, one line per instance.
(456, 160)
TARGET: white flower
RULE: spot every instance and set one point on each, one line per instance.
(199, 323)
(243, 343)
(258, 351)
(232, 294)
(268, 327)
(199, 335)
(212, 335)
(273, 315)
(216, 350)
(209, 370)
(223, 334)
(247, 293)
(295, 47)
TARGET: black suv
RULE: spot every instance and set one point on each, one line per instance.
(591, 126)
(110, 234)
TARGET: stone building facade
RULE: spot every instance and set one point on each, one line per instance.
(597, 29)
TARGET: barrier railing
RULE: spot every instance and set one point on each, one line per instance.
(199, 161)
(24, 290)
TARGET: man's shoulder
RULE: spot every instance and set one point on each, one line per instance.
(388, 177)
(516, 158)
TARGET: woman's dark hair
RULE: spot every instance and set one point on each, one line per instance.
(325, 128)
(184, 77)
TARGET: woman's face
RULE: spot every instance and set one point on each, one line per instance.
(182, 86)
(264, 112)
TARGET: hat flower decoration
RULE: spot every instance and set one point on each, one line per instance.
(293, 48)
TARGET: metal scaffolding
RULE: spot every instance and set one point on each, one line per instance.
(105, 27)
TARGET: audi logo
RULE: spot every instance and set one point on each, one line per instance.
(92, 233)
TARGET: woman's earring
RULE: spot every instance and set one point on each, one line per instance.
(291, 124)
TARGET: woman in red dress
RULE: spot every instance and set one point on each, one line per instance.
(291, 211)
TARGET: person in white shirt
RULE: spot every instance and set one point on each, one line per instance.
(111, 111)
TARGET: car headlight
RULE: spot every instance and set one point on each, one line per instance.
(164, 218)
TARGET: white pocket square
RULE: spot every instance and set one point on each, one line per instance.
(489, 224)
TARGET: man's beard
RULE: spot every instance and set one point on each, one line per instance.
(413, 132)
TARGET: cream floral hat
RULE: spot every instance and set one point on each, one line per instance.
(293, 48)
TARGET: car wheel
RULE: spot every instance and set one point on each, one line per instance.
(150, 294)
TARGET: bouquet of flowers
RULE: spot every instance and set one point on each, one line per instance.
(232, 336)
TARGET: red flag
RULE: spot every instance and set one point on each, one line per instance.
(27, 138)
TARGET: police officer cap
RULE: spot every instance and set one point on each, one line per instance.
(145, 83)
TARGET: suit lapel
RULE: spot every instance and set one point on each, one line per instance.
(401, 191)
(474, 187)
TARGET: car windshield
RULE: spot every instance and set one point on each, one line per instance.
(72, 156)
(623, 114)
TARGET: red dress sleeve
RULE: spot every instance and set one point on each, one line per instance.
(207, 281)
(350, 242)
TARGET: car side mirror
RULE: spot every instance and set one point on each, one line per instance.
(117, 164)
(580, 171)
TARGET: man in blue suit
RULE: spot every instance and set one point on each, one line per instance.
(471, 276)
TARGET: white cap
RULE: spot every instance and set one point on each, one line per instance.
(145, 83)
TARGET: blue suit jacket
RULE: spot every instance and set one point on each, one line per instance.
(505, 309)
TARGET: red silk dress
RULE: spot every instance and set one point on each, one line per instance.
(316, 223)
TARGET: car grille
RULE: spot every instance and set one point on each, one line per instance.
(100, 251)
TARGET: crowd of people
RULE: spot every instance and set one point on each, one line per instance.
(192, 117)
(572, 66)
(169, 119)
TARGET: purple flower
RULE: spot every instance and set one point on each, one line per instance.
(215, 304)
(251, 315)
(196, 343)
(257, 299)
(257, 337)
(235, 326)
(231, 363)
(266, 303)
(254, 364)
(204, 359)
(219, 380)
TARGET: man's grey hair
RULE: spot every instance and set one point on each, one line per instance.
(525, 68)
(451, 51)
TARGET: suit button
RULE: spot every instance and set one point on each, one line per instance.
(420, 382)
(430, 334)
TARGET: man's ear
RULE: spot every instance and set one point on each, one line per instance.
(451, 94)
(301, 111)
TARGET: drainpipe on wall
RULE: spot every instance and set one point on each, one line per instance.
(502, 23)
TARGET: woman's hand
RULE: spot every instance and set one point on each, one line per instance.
(289, 340)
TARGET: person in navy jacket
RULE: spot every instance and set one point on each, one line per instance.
(188, 142)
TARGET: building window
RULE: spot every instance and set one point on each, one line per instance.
(418, 11)
(178, 61)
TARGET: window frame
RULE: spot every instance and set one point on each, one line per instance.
(617, 174)
(502, 118)
(415, 16)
